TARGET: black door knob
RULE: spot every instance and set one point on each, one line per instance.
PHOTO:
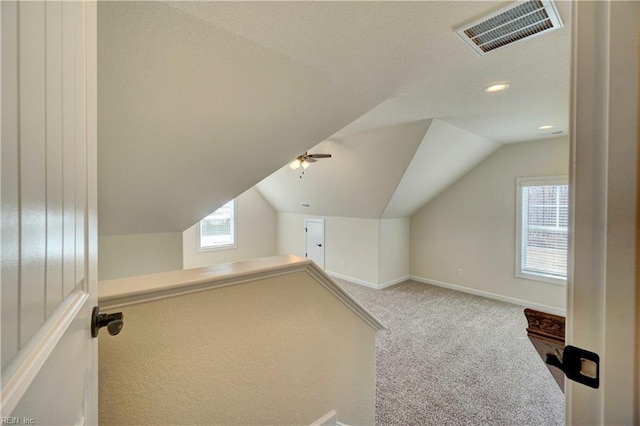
(319, 245)
(114, 322)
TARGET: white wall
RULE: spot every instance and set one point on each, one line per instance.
(351, 245)
(290, 234)
(471, 225)
(281, 350)
(371, 252)
(138, 254)
(394, 251)
(255, 234)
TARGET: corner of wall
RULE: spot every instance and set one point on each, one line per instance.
(393, 251)
(465, 236)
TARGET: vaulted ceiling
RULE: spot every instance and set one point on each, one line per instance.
(384, 173)
(198, 101)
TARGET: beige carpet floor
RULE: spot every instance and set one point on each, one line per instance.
(450, 358)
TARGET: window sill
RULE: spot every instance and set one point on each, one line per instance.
(217, 248)
(541, 278)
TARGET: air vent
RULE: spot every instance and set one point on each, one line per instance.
(517, 22)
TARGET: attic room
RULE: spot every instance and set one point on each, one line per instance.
(404, 135)
(318, 212)
(421, 180)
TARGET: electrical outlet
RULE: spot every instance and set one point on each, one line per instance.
(342, 262)
(459, 272)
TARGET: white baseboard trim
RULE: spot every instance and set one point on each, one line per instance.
(502, 298)
(352, 279)
(328, 419)
(393, 282)
(367, 283)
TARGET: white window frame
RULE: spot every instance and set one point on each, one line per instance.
(234, 233)
(521, 183)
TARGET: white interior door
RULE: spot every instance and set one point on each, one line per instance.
(602, 305)
(49, 275)
(314, 240)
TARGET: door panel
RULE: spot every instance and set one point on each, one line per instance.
(49, 373)
(315, 240)
(69, 147)
(10, 210)
(32, 140)
(54, 155)
(57, 392)
(80, 135)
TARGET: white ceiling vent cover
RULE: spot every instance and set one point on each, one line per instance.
(517, 22)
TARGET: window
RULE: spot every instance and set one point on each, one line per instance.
(218, 229)
(542, 229)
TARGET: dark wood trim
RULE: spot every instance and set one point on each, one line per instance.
(545, 326)
(546, 332)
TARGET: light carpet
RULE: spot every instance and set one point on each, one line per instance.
(451, 358)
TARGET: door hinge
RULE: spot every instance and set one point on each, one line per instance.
(578, 365)
(305, 255)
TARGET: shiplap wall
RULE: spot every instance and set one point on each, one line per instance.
(43, 163)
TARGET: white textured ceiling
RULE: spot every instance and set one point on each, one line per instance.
(198, 101)
(410, 51)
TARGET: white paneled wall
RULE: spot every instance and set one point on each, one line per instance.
(10, 211)
(43, 163)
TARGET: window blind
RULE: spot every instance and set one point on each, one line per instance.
(545, 215)
(217, 229)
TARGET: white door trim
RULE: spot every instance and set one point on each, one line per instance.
(602, 290)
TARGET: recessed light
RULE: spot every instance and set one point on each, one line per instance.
(497, 87)
(545, 127)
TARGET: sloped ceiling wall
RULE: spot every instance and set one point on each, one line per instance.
(385, 173)
(191, 115)
(198, 101)
(357, 181)
(445, 154)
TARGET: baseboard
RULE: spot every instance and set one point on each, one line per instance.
(393, 282)
(495, 296)
(352, 279)
(367, 283)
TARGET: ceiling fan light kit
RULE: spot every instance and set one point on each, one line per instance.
(295, 164)
(305, 161)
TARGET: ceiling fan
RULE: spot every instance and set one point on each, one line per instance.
(306, 159)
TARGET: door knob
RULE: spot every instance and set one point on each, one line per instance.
(114, 322)
(579, 365)
(319, 245)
